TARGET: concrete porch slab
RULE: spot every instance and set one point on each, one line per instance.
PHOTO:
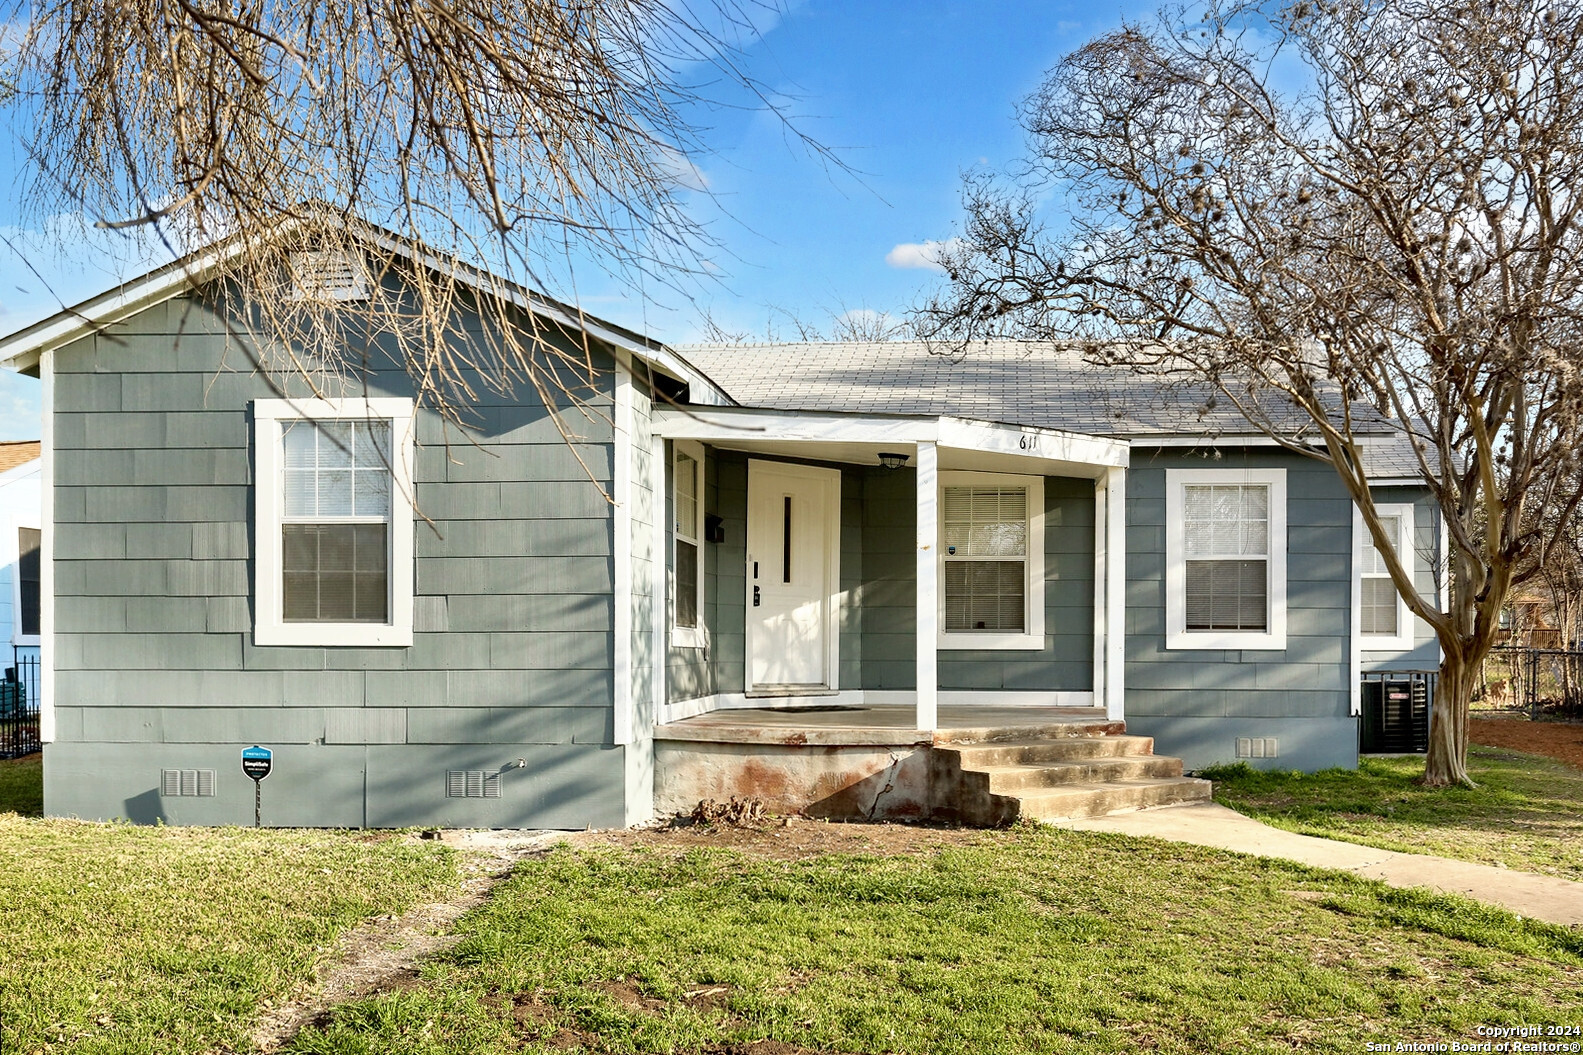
(883, 725)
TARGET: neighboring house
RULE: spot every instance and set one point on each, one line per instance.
(21, 510)
(821, 572)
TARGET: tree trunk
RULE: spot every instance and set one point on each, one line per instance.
(1448, 725)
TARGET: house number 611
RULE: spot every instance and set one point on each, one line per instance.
(1028, 443)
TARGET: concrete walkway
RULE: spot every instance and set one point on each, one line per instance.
(1211, 824)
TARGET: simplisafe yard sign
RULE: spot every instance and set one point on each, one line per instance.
(256, 763)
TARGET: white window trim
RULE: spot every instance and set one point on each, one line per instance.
(269, 627)
(18, 638)
(1030, 639)
(1177, 636)
(1406, 623)
(689, 636)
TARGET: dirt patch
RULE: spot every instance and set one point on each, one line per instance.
(383, 954)
(790, 838)
(1559, 740)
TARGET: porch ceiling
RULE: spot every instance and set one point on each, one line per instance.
(859, 440)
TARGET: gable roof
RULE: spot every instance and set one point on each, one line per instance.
(21, 350)
(1039, 383)
(17, 452)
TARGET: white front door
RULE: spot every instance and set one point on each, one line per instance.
(792, 574)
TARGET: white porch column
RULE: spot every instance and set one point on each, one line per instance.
(928, 616)
(1115, 594)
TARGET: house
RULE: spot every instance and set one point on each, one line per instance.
(861, 580)
(20, 510)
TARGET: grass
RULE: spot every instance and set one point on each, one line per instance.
(137, 941)
(1033, 940)
(1526, 813)
(22, 785)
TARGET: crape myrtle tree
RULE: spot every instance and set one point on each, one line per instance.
(1339, 216)
(535, 138)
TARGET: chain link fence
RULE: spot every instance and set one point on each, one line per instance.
(1530, 683)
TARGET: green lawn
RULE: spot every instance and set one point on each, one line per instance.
(22, 785)
(132, 940)
(1526, 813)
(1029, 940)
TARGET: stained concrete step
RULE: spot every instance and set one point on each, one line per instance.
(1111, 796)
(1063, 749)
(1004, 780)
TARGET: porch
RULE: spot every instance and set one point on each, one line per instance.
(829, 561)
(984, 764)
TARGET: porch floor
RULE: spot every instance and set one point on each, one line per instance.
(885, 725)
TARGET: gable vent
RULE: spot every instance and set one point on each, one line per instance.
(471, 784)
(331, 275)
(178, 782)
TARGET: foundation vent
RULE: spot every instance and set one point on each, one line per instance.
(472, 784)
(177, 782)
(1258, 747)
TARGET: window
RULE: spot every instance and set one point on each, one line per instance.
(991, 561)
(333, 516)
(1384, 622)
(1226, 558)
(687, 477)
(28, 595)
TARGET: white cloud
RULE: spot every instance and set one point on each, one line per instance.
(922, 255)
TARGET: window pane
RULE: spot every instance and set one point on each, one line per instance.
(1226, 520)
(337, 468)
(1227, 595)
(985, 521)
(686, 584)
(686, 496)
(29, 541)
(301, 443)
(371, 449)
(335, 444)
(302, 498)
(985, 595)
(335, 572)
(1373, 563)
(371, 492)
(1379, 615)
(335, 492)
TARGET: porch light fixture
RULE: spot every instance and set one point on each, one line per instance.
(892, 460)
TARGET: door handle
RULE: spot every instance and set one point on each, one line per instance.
(757, 597)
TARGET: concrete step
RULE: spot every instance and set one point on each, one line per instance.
(1061, 749)
(1112, 796)
(1005, 780)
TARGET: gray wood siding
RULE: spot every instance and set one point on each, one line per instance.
(153, 505)
(1307, 679)
(889, 592)
(1425, 654)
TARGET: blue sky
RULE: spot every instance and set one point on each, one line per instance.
(910, 95)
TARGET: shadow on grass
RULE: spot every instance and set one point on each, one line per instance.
(22, 785)
(1526, 812)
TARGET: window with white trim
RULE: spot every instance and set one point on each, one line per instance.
(1384, 622)
(991, 561)
(29, 598)
(687, 559)
(333, 510)
(1226, 558)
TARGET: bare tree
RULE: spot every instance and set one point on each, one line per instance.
(534, 138)
(1396, 236)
